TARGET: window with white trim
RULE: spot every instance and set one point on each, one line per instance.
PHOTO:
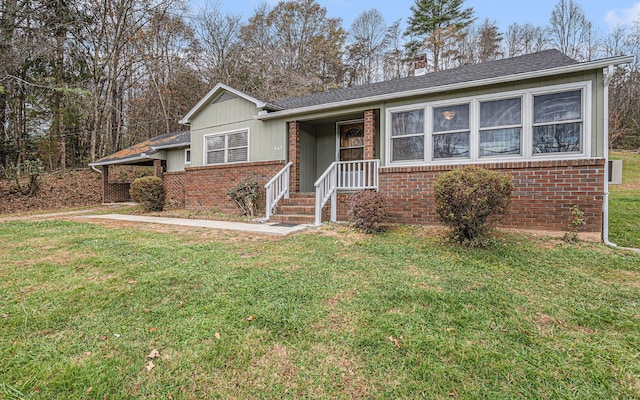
(501, 127)
(187, 156)
(451, 131)
(230, 147)
(557, 122)
(542, 122)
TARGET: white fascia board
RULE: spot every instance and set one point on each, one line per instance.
(213, 93)
(121, 161)
(590, 65)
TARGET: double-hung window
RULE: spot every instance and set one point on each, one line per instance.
(227, 147)
(501, 127)
(407, 135)
(557, 122)
(451, 131)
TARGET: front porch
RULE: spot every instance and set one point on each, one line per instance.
(326, 155)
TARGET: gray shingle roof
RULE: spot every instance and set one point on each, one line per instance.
(138, 152)
(522, 64)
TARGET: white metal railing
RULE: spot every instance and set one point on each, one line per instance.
(277, 188)
(344, 175)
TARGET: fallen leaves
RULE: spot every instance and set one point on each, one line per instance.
(5, 316)
(217, 335)
(251, 318)
(153, 329)
(132, 281)
(396, 341)
(154, 354)
(149, 366)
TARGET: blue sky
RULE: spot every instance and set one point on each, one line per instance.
(603, 13)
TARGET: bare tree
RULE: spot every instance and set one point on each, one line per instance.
(292, 49)
(524, 39)
(569, 30)
(219, 37)
(394, 63)
(481, 43)
(368, 41)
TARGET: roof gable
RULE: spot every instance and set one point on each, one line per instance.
(223, 92)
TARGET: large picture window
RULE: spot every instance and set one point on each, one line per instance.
(529, 123)
(227, 147)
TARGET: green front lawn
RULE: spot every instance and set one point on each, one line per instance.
(325, 314)
(624, 202)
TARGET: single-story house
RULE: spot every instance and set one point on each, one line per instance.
(541, 118)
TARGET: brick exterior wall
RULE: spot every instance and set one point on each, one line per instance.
(114, 192)
(117, 192)
(174, 186)
(543, 194)
(294, 156)
(206, 187)
(369, 135)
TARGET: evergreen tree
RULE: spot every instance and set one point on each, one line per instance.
(434, 26)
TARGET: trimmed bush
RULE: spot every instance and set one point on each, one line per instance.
(468, 198)
(246, 195)
(368, 211)
(148, 192)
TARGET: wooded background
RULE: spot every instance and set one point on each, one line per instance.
(80, 79)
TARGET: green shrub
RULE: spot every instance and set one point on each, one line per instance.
(148, 192)
(467, 197)
(368, 211)
(246, 195)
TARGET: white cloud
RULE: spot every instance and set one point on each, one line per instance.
(625, 16)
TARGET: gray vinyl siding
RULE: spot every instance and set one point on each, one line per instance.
(175, 160)
(267, 141)
(308, 156)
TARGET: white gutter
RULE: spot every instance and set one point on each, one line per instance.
(605, 201)
(455, 86)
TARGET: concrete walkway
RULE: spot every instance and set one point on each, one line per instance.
(266, 228)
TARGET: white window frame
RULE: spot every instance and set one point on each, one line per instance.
(226, 135)
(526, 95)
(187, 156)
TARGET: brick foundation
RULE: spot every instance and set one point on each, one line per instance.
(543, 194)
(205, 188)
(174, 186)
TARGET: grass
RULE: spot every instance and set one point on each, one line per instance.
(326, 314)
(624, 202)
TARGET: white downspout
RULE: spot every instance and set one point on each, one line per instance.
(93, 167)
(605, 206)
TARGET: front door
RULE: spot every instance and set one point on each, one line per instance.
(351, 141)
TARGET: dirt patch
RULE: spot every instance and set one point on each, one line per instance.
(547, 324)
